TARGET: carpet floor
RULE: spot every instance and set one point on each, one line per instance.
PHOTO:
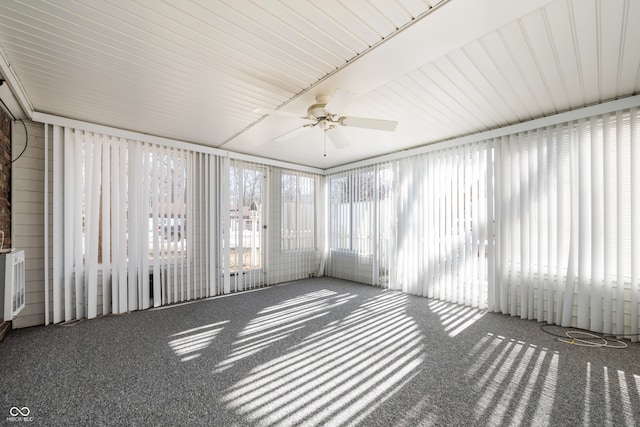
(313, 352)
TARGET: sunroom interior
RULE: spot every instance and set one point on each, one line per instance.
(167, 152)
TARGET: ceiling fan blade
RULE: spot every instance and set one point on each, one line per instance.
(291, 134)
(337, 137)
(277, 113)
(339, 101)
(361, 122)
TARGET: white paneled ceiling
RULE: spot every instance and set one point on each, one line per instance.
(194, 70)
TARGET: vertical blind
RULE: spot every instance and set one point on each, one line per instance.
(543, 224)
(297, 206)
(358, 234)
(569, 214)
(138, 224)
(442, 226)
(133, 224)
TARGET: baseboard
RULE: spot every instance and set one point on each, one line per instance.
(5, 327)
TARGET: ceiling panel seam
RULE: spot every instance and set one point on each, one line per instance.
(233, 68)
(554, 51)
(576, 49)
(623, 31)
(346, 64)
(495, 93)
(520, 71)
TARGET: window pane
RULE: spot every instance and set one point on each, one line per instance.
(246, 191)
(340, 213)
(298, 211)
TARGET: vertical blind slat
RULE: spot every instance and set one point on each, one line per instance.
(621, 225)
(58, 283)
(105, 167)
(609, 192)
(584, 224)
(634, 160)
(78, 227)
(597, 225)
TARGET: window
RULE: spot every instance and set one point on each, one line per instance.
(246, 191)
(164, 182)
(352, 210)
(298, 221)
(119, 225)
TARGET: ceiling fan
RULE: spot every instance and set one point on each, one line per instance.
(325, 115)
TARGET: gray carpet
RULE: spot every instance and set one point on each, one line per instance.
(314, 352)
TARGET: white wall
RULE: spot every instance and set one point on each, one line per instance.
(351, 266)
(27, 217)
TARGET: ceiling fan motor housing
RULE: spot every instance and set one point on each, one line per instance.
(317, 111)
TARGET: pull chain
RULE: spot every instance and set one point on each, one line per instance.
(325, 143)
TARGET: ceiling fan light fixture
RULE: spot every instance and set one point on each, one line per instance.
(326, 124)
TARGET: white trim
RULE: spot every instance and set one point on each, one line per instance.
(16, 91)
(167, 142)
(275, 163)
(592, 110)
(567, 116)
(197, 301)
(121, 133)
